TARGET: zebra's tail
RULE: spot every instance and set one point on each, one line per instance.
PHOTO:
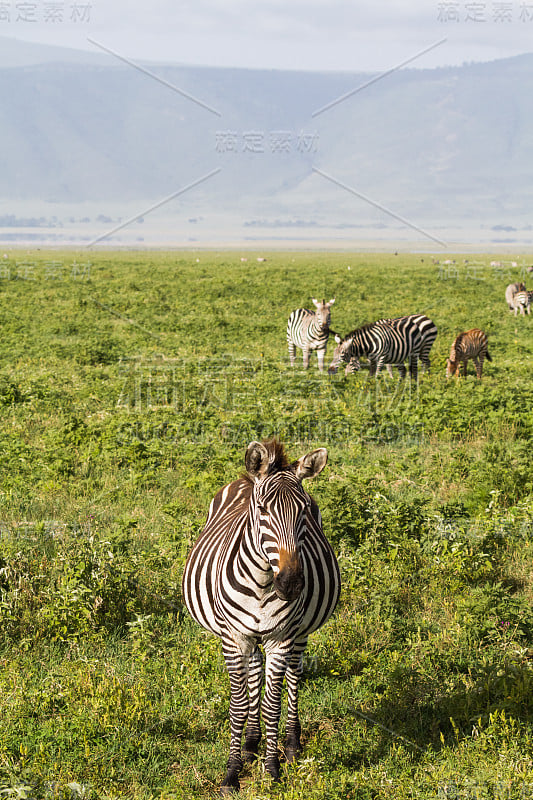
(489, 358)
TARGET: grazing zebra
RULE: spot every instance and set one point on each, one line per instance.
(309, 330)
(382, 343)
(428, 334)
(510, 292)
(262, 572)
(469, 344)
(521, 300)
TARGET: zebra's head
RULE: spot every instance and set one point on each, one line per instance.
(344, 352)
(322, 313)
(279, 509)
(452, 365)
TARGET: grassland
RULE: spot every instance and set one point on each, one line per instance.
(129, 390)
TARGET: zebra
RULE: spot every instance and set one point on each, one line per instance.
(521, 300)
(469, 344)
(309, 330)
(263, 573)
(382, 343)
(428, 334)
(510, 292)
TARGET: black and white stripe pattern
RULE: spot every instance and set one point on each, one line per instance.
(521, 300)
(263, 573)
(309, 330)
(382, 343)
(428, 334)
(510, 292)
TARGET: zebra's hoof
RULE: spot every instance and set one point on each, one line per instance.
(227, 791)
(230, 786)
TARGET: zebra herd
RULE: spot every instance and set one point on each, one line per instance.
(262, 573)
(389, 342)
(386, 342)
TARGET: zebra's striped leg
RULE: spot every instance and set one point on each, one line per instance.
(389, 369)
(237, 666)
(293, 675)
(253, 727)
(320, 355)
(306, 357)
(479, 365)
(413, 367)
(401, 370)
(377, 367)
(276, 665)
(292, 353)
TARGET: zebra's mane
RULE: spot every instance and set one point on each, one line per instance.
(457, 344)
(277, 457)
(276, 454)
(361, 329)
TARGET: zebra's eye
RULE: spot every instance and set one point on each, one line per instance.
(262, 508)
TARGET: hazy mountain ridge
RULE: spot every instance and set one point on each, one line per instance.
(438, 145)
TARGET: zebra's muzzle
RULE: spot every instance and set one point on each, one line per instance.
(289, 583)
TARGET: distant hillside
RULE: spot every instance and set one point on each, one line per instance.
(439, 146)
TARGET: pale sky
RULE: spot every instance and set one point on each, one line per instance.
(347, 35)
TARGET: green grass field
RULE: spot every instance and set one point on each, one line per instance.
(129, 390)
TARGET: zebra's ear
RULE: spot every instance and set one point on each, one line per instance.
(311, 464)
(331, 302)
(256, 460)
(338, 338)
(315, 301)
